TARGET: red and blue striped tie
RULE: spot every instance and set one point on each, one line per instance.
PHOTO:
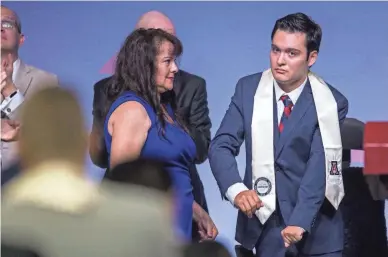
(287, 110)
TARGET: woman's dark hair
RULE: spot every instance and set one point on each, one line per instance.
(136, 68)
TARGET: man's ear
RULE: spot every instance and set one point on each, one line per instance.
(313, 56)
(21, 39)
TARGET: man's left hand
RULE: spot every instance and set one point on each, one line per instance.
(292, 235)
(206, 226)
(7, 86)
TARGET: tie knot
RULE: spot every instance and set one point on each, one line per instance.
(286, 100)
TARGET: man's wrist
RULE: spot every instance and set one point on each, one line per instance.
(234, 190)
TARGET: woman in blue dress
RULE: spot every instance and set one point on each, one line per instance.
(139, 125)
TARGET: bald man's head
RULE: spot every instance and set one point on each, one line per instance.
(156, 20)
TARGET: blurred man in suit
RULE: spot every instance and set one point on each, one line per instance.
(18, 82)
(191, 94)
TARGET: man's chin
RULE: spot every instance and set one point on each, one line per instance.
(281, 79)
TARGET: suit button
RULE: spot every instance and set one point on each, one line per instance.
(8, 109)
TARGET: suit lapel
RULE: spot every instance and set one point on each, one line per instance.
(177, 83)
(23, 78)
(304, 102)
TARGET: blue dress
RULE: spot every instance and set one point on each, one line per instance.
(177, 152)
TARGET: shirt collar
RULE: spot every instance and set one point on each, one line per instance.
(16, 66)
(294, 94)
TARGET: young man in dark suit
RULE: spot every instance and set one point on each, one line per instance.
(191, 98)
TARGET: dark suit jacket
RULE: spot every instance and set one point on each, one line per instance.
(191, 97)
(303, 208)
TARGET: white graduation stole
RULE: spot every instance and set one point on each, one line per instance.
(263, 164)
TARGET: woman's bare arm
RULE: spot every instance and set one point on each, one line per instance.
(128, 125)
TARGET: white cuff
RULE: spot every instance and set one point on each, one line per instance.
(10, 104)
(234, 190)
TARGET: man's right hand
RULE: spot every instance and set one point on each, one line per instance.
(248, 202)
(9, 130)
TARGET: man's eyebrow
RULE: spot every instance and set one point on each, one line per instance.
(287, 49)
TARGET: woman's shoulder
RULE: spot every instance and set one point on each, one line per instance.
(127, 96)
(131, 100)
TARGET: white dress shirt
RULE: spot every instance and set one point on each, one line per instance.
(237, 188)
(12, 102)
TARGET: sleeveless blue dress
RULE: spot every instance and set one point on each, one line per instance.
(177, 152)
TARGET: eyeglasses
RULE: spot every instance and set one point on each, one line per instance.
(6, 24)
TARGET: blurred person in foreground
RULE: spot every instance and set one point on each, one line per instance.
(139, 125)
(19, 81)
(191, 99)
(52, 209)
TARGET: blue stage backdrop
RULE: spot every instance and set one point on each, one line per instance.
(223, 41)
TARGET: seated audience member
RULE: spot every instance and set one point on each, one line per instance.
(52, 208)
(364, 220)
(139, 125)
(19, 81)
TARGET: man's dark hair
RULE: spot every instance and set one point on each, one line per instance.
(135, 68)
(143, 172)
(206, 249)
(300, 22)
